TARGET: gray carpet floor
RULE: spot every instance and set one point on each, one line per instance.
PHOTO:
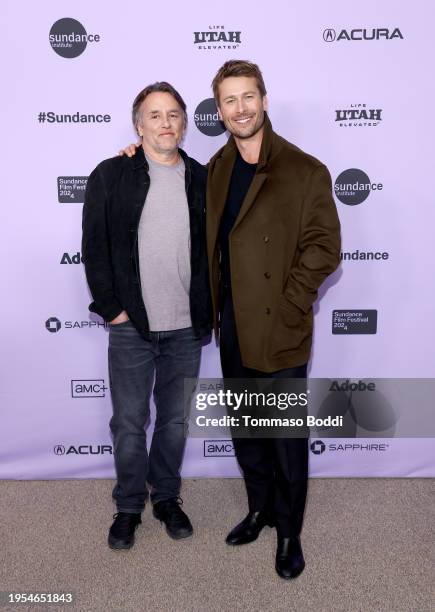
(368, 545)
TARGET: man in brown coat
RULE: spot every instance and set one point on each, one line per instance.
(273, 237)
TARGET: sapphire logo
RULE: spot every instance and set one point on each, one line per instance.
(68, 38)
(207, 118)
(318, 447)
(353, 187)
(53, 325)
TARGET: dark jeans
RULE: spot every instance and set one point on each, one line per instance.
(275, 469)
(134, 363)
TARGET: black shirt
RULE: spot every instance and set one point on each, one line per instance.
(241, 179)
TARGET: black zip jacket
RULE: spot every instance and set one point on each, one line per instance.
(115, 195)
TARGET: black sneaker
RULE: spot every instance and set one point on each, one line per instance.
(176, 521)
(121, 534)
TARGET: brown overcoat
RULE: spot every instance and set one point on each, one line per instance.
(284, 243)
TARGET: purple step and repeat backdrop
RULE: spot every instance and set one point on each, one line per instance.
(352, 87)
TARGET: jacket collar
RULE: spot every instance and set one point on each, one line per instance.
(230, 150)
(218, 191)
(139, 160)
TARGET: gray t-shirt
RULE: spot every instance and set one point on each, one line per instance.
(164, 248)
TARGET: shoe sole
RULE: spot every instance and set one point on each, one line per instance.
(173, 535)
(115, 545)
(178, 537)
(288, 577)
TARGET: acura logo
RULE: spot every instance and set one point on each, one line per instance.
(59, 449)
(329, 35)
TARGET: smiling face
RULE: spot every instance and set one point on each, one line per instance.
(161, 124)
(241, 106)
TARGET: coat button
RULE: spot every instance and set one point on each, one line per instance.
(267, 311)
(267, 275)
(266, 238)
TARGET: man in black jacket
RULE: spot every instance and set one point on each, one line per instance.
(145, 260)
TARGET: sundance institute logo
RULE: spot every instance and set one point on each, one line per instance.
(353, 186)
(207, 118)
(68, 38)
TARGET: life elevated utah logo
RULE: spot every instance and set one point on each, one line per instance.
(353, 186)
(68, 38)
(358, 115)
(217, 37)
(330, 35)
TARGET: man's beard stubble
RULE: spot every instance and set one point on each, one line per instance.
(256, 128)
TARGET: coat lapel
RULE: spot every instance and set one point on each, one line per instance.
(249, 200)
(261, 173)
(217, 192)
(218, 185)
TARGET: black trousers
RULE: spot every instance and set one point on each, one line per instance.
(276, 469)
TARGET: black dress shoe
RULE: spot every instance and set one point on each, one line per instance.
(289, 557)
(176, 521)
(249, 529)
(121, 534)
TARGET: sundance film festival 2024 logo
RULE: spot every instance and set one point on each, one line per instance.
(207, 118)
(71, 189)
(358, 115)
(353, 187)
(331, 35)
(68, 37)
(217, 37)
(354, 321)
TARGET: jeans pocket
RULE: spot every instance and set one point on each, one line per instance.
(122, 324)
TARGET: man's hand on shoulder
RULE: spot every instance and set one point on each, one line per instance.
(130, 150)
(121, 318)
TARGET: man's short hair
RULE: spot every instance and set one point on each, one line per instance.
(163, 87)
(238, 68)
